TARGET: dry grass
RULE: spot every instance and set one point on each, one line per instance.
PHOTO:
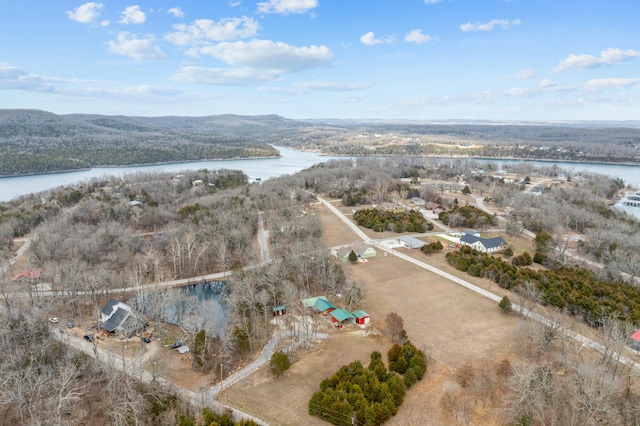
(451, 324)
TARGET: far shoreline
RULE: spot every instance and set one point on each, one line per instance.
(162, 163)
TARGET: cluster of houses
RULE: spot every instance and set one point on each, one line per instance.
(337, 316)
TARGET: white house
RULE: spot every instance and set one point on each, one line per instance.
(484, 245)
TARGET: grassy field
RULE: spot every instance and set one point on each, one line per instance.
(451, 324)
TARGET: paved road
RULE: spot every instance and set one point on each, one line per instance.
(523, 311)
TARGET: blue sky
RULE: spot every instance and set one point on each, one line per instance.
(401, 59)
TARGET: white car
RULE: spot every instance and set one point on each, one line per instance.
(54, 320)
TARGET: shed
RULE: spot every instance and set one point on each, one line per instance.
(362, 318)
(339, 316)
(278, 311)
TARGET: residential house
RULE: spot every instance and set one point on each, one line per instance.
(418, 201)
(362, 250)
(119, 317)
(411, 242)
(317, 304)
(484, 245)
(27, 276)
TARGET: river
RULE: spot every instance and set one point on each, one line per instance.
(290, 162)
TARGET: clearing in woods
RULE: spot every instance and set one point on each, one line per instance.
(451, 324)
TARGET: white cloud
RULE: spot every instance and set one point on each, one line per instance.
(128, 44)
(267, 54)
(176, 12)
(132, 15)
(525, 74)
(285, 7)
(317, 86)
(546, 83)
(370, 39)
(350, 99)
(609, 83)
(416, 36)
(86, 13)
(206, 30)
(13, 78)
(607, 57)
(242, 75)
(489, 26)
(331, 86)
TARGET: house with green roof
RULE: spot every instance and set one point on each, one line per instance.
(318, 304)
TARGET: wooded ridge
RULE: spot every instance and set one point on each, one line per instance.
(34, 141)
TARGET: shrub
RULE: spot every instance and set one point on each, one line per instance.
(279, 363)
(505, 305)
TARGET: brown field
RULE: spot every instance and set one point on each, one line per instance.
(451, 324)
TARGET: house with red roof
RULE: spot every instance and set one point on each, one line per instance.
(28, 276)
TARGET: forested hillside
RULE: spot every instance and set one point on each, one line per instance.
(36, 141)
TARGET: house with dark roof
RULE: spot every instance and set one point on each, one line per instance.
(119, 317)
(484, 245)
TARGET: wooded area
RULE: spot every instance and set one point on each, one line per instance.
(109, 233)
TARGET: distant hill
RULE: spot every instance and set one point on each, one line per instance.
(34, 141)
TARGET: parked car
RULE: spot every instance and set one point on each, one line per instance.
(70, 324)
(176, 344)
(54, 320)
(88, 337)
(146, 340)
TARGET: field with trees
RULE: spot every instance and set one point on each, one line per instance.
(92, 239)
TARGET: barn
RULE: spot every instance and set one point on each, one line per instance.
(339, 316)
(362, 318)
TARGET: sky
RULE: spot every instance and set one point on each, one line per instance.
(551, 60)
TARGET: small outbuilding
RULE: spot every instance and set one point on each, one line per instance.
(279, 311)
(361, 317)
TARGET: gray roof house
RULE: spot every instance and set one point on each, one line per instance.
(484, 245)
(119, 317)
(411, 242)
